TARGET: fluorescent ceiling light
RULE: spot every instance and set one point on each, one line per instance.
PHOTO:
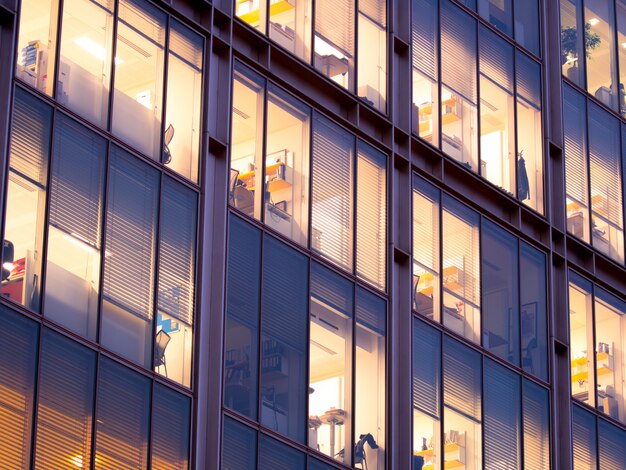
(594, 21)
(94, 49)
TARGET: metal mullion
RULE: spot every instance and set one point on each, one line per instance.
(150, 423)
(441, 400)
(111, 92)
(439, 241)
(352, 87)
(354, 196)
(439, 80)
(157, 258)
(515, 139)
(259, 396)
(94, 420)
(588, 169)
(353, 378)
(592, 350)
(482, 408)
(521, 459)
(584, 50)
(34, 418)
(307, 366)
(263, 147)
(310, 59)
(312, 115)
(165, 75)
(57, 49)
(478, 37)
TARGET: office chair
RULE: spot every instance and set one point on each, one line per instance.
(232, 182)
(162, 340)
(167, 138)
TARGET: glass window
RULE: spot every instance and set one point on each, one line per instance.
(372, 53)
(425, 35)
(334, 40)
(529, 132)
(18, 370)
(426, 390)
(332, 208)
(581, 343)
(242, 318)
(526, 24)
(497, 118)
(584, 448)
(26, 200)
(330, 363)
(459, 115)
(462, 376)
(371, 215)
(274, 455)
(315, 464)
(139, 65)
(536, 419)
(238, 446)
(37, 44)
(247, 142)
(499, 13)
(176, 291)
(502, 417)
(74, 229)
(65, 404)
(290, 26)
(181, 135)
(533, 315)
(287, 166)
(461, 270)
(170, 430)
(86, 56)
(284, 340)
(607, 227)
(426, 248)
(612, 451)
(252, 12)
(122, 418)
(572, 55)
(620, 13)
(369, 387)
(133, 192)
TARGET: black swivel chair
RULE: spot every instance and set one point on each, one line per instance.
(161, 342)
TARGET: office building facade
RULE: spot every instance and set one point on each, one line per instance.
(312, 234)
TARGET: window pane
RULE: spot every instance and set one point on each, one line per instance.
(284, 340)
(86, 56)
(246, 142)
(370, 402)
(572, 41)
(74, 231)
(372, 50)
(497, 111)
(26, 200)
(242, 318)
(330, 363)
(253, 12)
(290, 26)
(610, 323)
(371, 215)
(315, 464)
(500, 292)
(583, 439)
(65, 404)
(123, 418)
(581, 339)
(238, 446)
(133, 191)
(576, 166)
(536, 406)
(331, 213)
(533, 296)
(18, 368)
(607, 233)
(37, 43)
(274, 455)
(334, 40)
(527, 24)
(461, 270)
(502, 417)
(426, 251)
(529, 132)
(499, 13)
(424, 115)
(459, 90)
(611, 446)
(177, 263)
(181, 140)
(170, 430)
(287, 166)
(137, 102)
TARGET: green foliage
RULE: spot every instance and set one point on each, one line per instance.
(569, 37)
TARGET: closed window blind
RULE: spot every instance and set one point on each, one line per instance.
(18, 367)
(426, 368)
(376, 10)
(30, 138)
(458, 46)
(574, 132)
(331, 289)
(177, 251)
(462, 376)
(424, 34)
(144, 18)
(77, 181)
(371, 311)
(426, 200)
(611, 441)
(170, 430)
(536, 418)
(131, 230)
(334, 22)
(65, 405)
(123, 418)
(274, 455)
(371, 215)
(502, 417)
(186, 45)
(238, 446)
(496, 59)
(331, 218)
(528, 76)
(583, 439)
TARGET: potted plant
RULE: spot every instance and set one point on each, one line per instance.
(569, 49)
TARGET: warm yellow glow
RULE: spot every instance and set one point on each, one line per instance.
(94, 49)
(77, 461)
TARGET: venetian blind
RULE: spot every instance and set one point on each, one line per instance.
(376, 10)
(426, 368)
(238, 446)
(186, 45)
(528, 77)
(177, 251)
(144, 18)
(334, 22)
(65, 403)
(170, 430)
(77, 181)
(131, 230)
(371, 311)
(371, 215)
(536, 421)
(496, 59)
(583, 439)
(426, 224)
(277, 456)
(424, 34)
(332, 289)
(123, 418)
(502, 417)
(331, 192)
(574, 112)
(462, 376)
(612, 451)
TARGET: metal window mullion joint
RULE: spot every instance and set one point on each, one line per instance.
(112, 69)
(259, 396)
(164, 84)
